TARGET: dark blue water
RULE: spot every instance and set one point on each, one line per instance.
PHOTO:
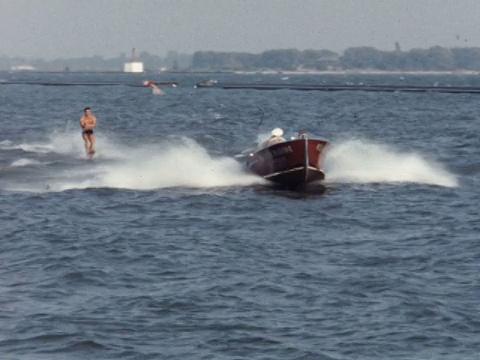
(163, 248)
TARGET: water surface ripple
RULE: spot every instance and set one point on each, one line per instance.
(163, 248)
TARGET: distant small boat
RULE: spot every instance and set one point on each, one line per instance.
(291, 163)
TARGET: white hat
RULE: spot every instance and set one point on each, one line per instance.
(277, 132)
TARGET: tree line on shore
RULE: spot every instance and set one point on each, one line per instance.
(367, 58)
(355, 58)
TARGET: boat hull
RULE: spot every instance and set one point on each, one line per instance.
(293, 163)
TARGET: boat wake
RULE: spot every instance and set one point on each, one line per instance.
(183, 163)
(361, 161)
(173, 162)
(59, 164)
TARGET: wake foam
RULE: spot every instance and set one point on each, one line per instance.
(361, 161)
(172, 162)
(66, 143)
(181, 164)
(25, 162)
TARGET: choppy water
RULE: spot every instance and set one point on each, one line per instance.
(163, 248)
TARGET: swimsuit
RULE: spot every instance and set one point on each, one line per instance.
(88, 132)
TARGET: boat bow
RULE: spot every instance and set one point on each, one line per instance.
(292, 163)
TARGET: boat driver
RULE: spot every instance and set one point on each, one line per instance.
(276, 137)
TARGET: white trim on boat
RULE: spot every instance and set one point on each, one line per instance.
(292, 170)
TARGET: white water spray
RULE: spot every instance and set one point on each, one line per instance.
(182, 162)
(179, 162)
(360, 161)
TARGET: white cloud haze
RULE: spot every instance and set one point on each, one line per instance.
(70, 28)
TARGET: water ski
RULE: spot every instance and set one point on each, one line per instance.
(90, 154)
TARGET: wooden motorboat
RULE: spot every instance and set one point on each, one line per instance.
(292, 163)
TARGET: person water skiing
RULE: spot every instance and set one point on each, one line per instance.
(155, 89)
(88, 122)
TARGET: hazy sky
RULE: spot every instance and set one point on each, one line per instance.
(82, 28)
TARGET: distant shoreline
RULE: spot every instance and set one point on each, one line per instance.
(361, 72)
(261, 72)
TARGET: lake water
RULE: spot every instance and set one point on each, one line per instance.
(162, 247)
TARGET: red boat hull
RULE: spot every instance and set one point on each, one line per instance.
(291, 163)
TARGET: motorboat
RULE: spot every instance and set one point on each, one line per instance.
(291, 163)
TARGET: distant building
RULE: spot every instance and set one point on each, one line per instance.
(133, 66)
